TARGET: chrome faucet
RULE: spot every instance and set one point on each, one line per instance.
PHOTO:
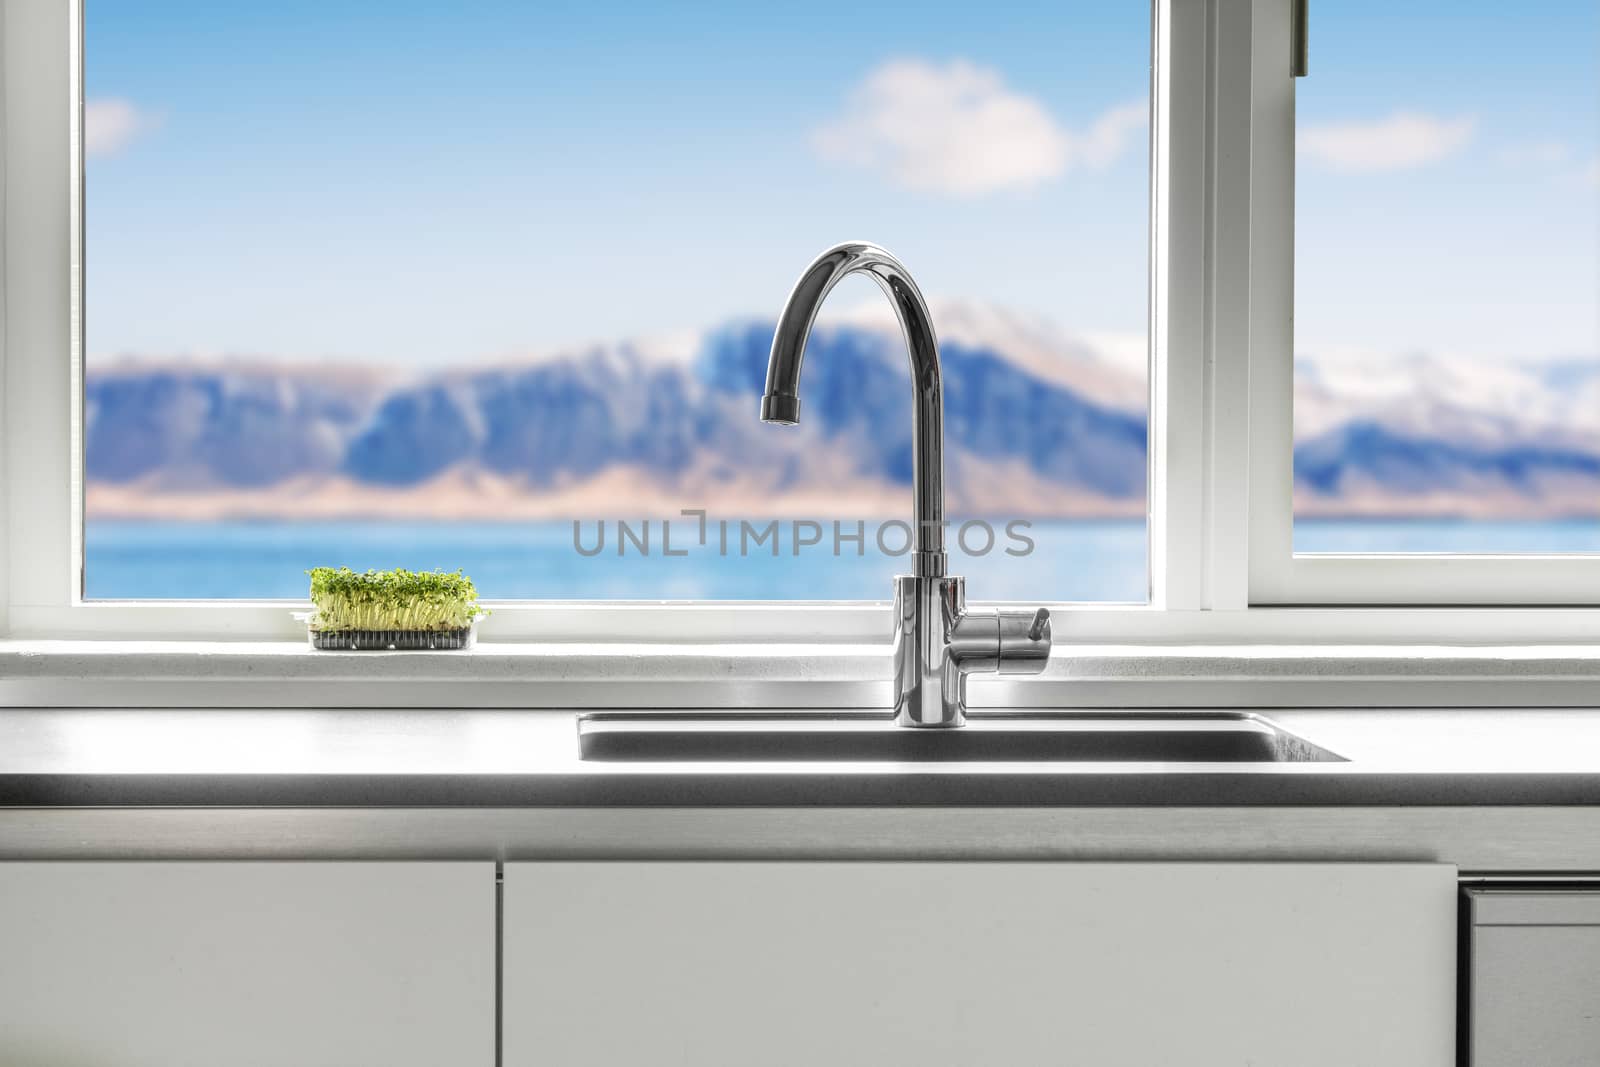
(937, 641)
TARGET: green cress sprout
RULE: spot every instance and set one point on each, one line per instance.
(391, 600)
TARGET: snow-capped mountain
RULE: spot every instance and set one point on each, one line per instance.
(1038, 422)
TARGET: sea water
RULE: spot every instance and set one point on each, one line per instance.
(1070, 560)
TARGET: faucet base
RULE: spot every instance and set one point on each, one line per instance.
(938, 642)
(927, 693)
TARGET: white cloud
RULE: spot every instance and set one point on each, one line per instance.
(110, 125)
(957, 129)
(1535, 154)
(1110, 134)
(1557, 160)
(1401, 141)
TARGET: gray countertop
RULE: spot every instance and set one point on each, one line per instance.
(500, 758)
(1492, 791)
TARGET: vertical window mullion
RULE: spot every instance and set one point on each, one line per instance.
(41, 255)
(1178, 232)
(1203, 328)
(1270, 415)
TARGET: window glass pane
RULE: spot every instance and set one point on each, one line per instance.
(1447, 372)
(423, 285)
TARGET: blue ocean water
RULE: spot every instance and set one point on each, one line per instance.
(1453, 536)
(1069, 560)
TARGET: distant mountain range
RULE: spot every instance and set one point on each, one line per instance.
(1038, 423)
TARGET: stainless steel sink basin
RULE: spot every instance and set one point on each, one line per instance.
(1199, 737)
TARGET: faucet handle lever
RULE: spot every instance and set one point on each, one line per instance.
(1041, 625)
(1024, 641)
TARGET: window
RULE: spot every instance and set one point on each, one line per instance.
(1370, 298)
(1447, 263)
(1446, 333)
(492, 286)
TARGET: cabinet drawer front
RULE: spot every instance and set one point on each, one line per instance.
(932, 964)
(1535, 978)
(242, 964)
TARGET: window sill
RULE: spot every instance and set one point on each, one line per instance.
(65, 673)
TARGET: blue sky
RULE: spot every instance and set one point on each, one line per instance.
(448, 181)
(440, 183)
(1485, 245)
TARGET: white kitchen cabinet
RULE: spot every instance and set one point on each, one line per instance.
(131, 964)
(1534, 993)
(984, 964)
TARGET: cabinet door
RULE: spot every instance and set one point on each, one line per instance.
(1535, 977)
(172, 964)
(982, 964)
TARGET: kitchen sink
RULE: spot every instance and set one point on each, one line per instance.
(1196, 737)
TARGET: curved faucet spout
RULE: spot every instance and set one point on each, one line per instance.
(937, 641)
(781, 403)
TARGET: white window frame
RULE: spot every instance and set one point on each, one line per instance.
(1221, 261)
(1277, 574)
